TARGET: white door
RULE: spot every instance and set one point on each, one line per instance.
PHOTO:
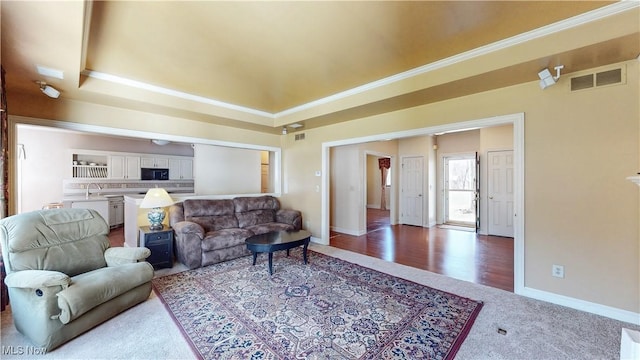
(412, 190)
(500, 192)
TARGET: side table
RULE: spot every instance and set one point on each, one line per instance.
(160, 242)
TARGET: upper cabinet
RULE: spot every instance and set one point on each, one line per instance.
(89, 165)
(93, 164)
(154, 162)
(180, 169)
(124, 167)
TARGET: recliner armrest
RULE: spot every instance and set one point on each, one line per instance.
(120, 255)
(288, 216)
(35, 279)
(188, 227)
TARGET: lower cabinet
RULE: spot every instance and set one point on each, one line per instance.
(160, 242)
(116, 211)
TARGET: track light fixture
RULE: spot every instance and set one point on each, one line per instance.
(48, 89)
(284, 130)
(546, 79)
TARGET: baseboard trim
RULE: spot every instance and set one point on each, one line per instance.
(348, 231)
(594, 308)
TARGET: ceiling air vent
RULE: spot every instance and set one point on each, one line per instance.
(300, 136)
(602, 78)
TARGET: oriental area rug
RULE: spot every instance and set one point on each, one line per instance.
(327, 309)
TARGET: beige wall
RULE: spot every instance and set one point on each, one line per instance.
(580, 211)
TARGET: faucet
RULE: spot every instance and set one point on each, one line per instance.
(88, 186)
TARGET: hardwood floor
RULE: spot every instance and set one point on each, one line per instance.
(481, 259)
(460, 254)
(116, 236)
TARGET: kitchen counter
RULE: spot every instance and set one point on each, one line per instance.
(92, 197)
(109, 206)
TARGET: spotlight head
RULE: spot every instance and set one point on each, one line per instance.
(544, 74)
(48, 90)
(546, 79)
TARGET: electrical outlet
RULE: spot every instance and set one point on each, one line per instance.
(557, 271)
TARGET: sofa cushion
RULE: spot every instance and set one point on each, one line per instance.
(93, 288)
(224, 238)
(211, 214)
(248, 203)
(205, 207)
(255, 217)
(269, 227)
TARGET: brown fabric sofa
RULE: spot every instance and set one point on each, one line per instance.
(212, 231)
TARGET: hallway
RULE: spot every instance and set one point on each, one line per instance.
(460, 254)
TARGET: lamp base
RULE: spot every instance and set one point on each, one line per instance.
(156, 217)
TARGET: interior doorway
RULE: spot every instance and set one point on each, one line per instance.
(516, 120)
(378, 191)
(460, 190)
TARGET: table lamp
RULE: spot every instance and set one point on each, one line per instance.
(156, 199)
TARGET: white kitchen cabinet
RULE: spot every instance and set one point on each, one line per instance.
(154, 162)
(180, 169)
(124, 167)
(116, 211)
(87, 164)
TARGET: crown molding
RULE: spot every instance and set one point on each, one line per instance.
(554, 28)
(175, 93)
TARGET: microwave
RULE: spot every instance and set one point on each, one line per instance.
(154, 174)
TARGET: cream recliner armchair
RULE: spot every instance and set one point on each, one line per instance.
(63, 277)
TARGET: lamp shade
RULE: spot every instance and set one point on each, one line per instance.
(155, 198)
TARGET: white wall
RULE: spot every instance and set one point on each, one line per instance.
(46, 160)
(225, 170)
(346, 189)
(421, 146)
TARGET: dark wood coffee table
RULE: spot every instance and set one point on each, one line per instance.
(278, 240)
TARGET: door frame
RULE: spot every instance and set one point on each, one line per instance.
(393, 218)
(517, 120)
(442, 183)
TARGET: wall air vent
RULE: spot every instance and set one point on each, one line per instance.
(582, 82)
(609, 77)
(300, 136)
(602, 78)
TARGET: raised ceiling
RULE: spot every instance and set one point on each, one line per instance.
(264, 64)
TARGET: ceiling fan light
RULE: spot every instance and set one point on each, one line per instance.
(160, 142)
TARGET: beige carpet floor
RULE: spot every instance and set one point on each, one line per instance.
(534, 329)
